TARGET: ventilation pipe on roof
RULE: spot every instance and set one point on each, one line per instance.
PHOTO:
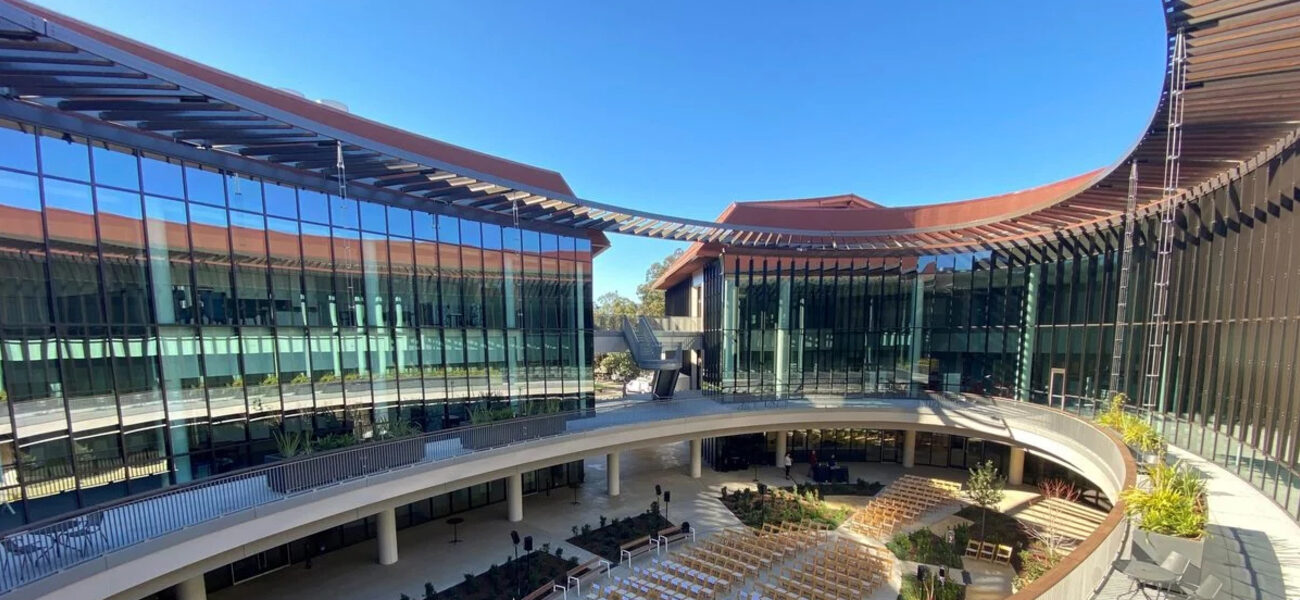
(293, 92)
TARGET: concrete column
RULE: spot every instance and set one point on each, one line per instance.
(515, 497)
(696, 458)
(1016, 466)
(909, 448)
(781, 441)
(386, 526)
(192, 589)
(611, 473)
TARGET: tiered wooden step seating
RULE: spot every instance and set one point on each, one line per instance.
(902, 502)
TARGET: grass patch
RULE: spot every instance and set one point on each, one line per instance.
(604, 540)
(775, 506)
(924, 546)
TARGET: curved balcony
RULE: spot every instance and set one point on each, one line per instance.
(148, 542)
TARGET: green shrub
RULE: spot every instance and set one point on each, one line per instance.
(1174, 504)
(915, 589)
(924, 546)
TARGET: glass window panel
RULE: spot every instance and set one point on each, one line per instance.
(285, 261)
(204, 186)
(162, 177)
(281, 201)
(399, 221)
(313, 206)
(244, 193)
(318, 275)
(471, 235)
(70, 217)
(425, 226)
(23, 297)
(248, 236)
(169, 260)
(65, 158)
(126, 282)
(17, 150)
(374, 217)
(211, 244)
(343, 212)
(117, 169)
(448, 229)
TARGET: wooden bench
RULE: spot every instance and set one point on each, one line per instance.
(664, 537)
(629, 550)
(574, 578)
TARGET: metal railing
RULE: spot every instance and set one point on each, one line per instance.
(676, 324)
(43, 549)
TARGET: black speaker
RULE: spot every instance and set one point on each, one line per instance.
(514, 537)
(668, 496)
(528, 544)
(658, 490)
(686, 526)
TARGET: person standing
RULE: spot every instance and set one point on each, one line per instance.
(789, 462)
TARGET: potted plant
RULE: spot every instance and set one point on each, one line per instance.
(1171, 513)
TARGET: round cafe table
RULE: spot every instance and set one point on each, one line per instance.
(455, 529)
(1144, 574)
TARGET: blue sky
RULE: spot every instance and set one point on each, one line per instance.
(683, 107)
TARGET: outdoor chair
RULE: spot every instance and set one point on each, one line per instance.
(1177, 564)
(28, 553)
(1208, 590)
(973, 549)
(86, 527)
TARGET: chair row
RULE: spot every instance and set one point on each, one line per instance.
(987, 551)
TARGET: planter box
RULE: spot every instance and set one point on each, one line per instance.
(348, 463)
(503, 432)
(1154, 547)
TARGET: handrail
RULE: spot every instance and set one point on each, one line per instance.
(131, 521)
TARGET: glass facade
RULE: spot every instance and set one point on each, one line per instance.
(159, 318)
(1038, 322)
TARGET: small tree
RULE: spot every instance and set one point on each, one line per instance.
(986, 488)
(1050, 535)
(620, 367)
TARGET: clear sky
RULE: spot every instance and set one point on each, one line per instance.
(684, 107)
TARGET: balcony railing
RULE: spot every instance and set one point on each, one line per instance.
(43, 549)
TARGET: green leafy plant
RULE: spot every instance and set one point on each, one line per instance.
(292, 443)
(986, 487)
(237, 382)
(334, 441)
(398, 428)
(327, 378)
(271, 379)
(351, 377)
(300, 379)
(1173, 505)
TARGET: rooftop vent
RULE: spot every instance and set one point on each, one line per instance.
(334, 104)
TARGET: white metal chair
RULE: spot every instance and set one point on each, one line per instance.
(1208, 590)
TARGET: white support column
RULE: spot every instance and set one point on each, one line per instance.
(1016, 466)
(781, 440)
(515, 497)
(611, 473)
(192, 589)
(909, 448)
(696, 458)
(386, 526)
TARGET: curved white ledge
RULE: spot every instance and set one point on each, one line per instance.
(150, 566)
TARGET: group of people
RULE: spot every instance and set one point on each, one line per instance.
(812, 462)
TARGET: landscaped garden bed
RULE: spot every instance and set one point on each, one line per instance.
(767, 505)
(915, 589)
(860, 488)
(998, 529)
(505, 580)
(923, 546)
(604, 540)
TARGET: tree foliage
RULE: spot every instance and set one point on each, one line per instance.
(610, 308)
(986, 487)
(651, 300)
(619, 366)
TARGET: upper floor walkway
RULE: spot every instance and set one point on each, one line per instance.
(138, 545)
